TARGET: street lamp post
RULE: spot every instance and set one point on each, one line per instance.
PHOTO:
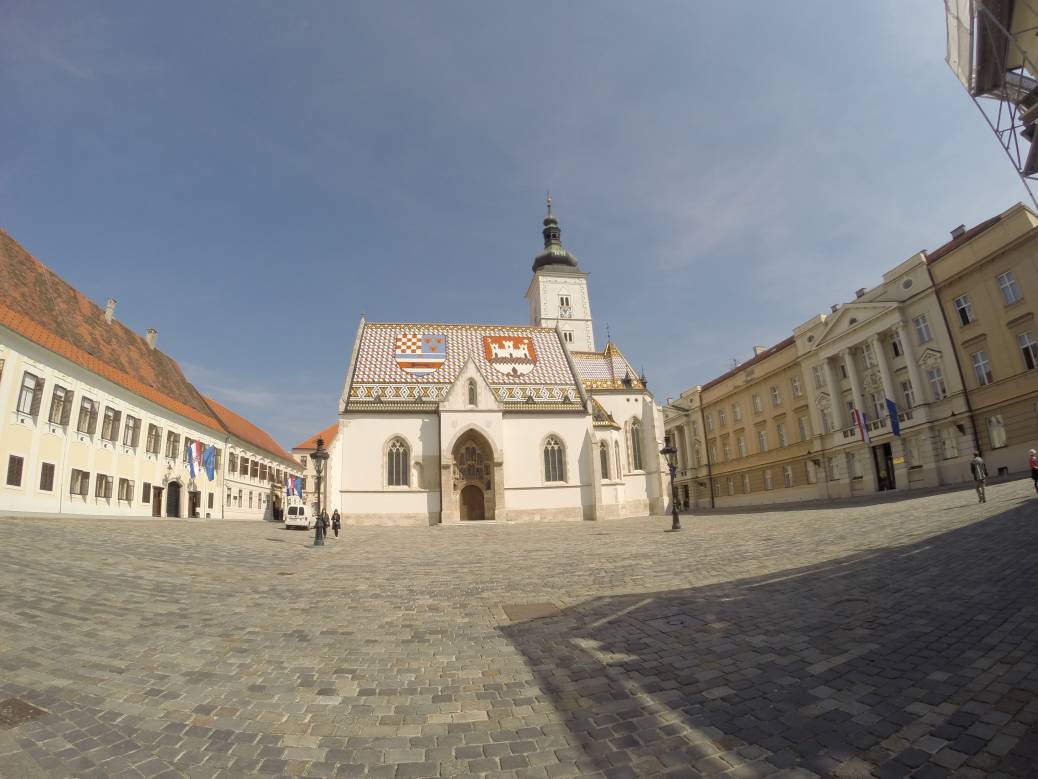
(672, 460)
(319, 456)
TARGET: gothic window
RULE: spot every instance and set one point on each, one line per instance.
(554, 460)
(636, 445)
(616, 458)
(472, 392)
(565, 310)
(397, 468)
(470, 463)
(603, 453)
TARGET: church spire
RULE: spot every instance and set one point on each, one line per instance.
(554, 252)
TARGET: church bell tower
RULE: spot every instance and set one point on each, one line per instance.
(558, 293)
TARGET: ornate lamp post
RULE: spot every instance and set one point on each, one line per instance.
(319, 455)
(672, 460)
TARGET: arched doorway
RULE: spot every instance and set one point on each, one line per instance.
(473, 477)
(472, 504)
(173, 499)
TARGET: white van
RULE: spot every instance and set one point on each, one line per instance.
(298, 517)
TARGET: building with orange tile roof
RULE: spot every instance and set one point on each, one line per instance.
(302, 451)
(95, 419)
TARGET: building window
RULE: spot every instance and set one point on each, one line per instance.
(46, 477)
(819, 376)
(746, 484)
(981, 368)
(736, 414)
(908, 394)
(110, 424)
(132, 431)
(564, 307)
(762, 440)
(935, 376)
(787, 475)
(834, 468)
(949, 443)
(895, 345)
(726, 451)
(30, 395)
(912, 453)
(767, 480)
(250, 499)
(854, 465)
(567, 336)
(172, 444)
(776, 396)
(14, 471)
(126, 490)
(996, 431)
(636, 445)
(964, 309)
(60, 406)
(713, 452)
(146, 493)
(154, 436)
(555, 460)
(731, 485)
(811, 471)
(240, 501)
(758, 407)
(603, 454)
(263, 472)
(709, 423)
(794, 383)
(473, 394)
(740, 445)
(79, 483)
(1029, 349)
(210, 501)
(879, 404)
(243, 466)
(102, 486)
(780, 430)
(87, 422)
(722, 418)
(616, 459)
(398, 464)
(1010, 290)
(802, 428)
(228, 497)
(717, 486)
(254, 469)
(232, 462)
(922, 329)
(869, 355)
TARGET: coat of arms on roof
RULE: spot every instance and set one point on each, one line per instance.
(420, 353)
(513, 355)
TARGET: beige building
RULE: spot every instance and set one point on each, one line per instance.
(302, 452)
(95, 419)
(893, 390)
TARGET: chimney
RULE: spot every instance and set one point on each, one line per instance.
(110, 310)
(958, 231)
(860, 292)
(834, 307)
(759, 350)
(150, 337)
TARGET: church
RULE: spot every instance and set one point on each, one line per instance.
(447, 423)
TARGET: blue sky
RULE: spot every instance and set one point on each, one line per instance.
(249, 177)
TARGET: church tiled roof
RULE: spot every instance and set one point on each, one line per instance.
(413, 365)
(606, 369)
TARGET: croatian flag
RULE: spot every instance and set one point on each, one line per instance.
(861, 421)
(290, 486)
(194, 458)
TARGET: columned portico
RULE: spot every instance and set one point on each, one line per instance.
(835, 395)
(852, 375)
(914, 374)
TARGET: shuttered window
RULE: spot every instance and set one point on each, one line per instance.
(132, 431)
(79, 482)
(102, 486)
(47, 477)
(30, 395)
(110, 425)
(60, 405)
(154, 437)
(87, 422)
(126, 490)
(146, 493)
(14, 471)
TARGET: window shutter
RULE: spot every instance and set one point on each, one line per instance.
(116, 418)
(92, 427)
(66, 410)
(136, 434)
(37, 398)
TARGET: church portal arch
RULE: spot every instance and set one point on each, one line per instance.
(472, 504)
(474, 475)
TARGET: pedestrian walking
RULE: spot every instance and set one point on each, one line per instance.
(325, 522)
(1032, 461)
(336, 522)
(980, 476)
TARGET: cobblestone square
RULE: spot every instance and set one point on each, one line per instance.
(891, 639)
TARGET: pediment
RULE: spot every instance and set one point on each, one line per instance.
(458, 394)
(853, 316)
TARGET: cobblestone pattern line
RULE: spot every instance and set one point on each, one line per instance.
(888, 640)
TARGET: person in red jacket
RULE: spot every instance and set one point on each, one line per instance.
(1032, 461)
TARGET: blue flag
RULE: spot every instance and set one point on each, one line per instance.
(209, 461)
(895, 424)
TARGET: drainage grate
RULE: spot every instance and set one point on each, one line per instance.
(286, 573)
(522, 611)
(14, 712)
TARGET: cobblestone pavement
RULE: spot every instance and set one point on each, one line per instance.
(890, 640)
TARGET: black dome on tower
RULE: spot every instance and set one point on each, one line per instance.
(554, 252)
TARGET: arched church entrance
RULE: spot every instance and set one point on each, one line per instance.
(474, 477)
(472, 508)
(173, 499)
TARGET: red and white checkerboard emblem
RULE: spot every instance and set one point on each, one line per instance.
(420, 353)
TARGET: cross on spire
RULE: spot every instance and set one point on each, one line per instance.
(548, 201)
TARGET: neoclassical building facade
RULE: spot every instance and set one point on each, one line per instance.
(447, 423)
(96, 420)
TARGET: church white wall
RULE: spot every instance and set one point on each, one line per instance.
(643, 490)
(360, 463)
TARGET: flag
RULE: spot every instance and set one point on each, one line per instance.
(861, 420)
(895, 423)
(209, 460)
(194, 458)
(299, 487)
(289, 486)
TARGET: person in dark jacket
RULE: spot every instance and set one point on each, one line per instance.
(980, 476)
(336, 522)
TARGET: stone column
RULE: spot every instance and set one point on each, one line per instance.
(448, 499)
(835, 395)
(852, 374)
(884, 367)
(916, 376)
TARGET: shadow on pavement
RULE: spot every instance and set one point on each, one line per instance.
(920, 658)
